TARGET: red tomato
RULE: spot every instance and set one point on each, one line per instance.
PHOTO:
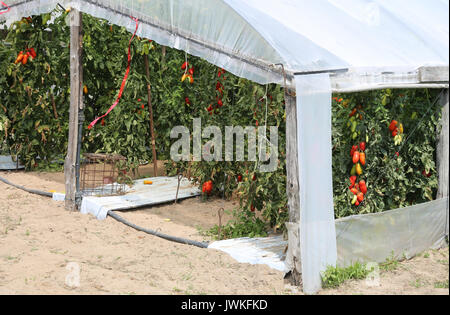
(354, 148)
(362, 146)
(32, 52)
(207, 187)
(25, 58)
(355, 157)
(360, 196)
(393, 125)
(363, 187)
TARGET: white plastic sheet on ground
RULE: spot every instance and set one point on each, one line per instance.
(7, 163)
(317, 230)
(260, 250)
(162, 190)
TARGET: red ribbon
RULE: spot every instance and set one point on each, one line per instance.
(92, 124)
(5, 5)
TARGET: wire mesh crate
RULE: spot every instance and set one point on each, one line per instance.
(103, 175)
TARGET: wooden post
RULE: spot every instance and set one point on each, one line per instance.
(150, 109)
(293, 226)
(76, 103)
(442, 155)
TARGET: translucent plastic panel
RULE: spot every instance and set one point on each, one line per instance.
(317, 227)
(209, 29)
(313, 35)
(401, 232)
(250, 37)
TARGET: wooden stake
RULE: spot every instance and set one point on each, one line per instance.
(76, 103)
(292, 189)
(442, 154)
(54, 105)
(150, 109)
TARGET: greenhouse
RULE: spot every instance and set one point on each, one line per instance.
(350, 77)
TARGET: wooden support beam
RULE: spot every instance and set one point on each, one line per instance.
(150, 109)
(76, 104)
(293, 252)
(442, 155)
(433, 74)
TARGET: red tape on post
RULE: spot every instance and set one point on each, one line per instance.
(5, 8)
(92, 124)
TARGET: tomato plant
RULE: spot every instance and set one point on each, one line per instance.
(392, 171)
(34, 95)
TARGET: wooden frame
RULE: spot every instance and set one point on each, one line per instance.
(76, 104)
(442, 154)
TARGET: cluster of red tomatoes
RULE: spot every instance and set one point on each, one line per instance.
(219, 92)
(396, 130)
(358, 158)
(23, 57)
(207, 187)
(188, 72)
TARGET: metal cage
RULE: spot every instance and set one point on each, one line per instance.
(103, 174)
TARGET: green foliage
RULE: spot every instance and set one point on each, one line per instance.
(441, 284)
(243, 224)
(392, 181)
(333, 277)
(34, 96)
(391, 263)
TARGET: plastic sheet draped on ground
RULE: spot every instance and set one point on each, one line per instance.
(163, 189)
(402, 232)
(7, 163)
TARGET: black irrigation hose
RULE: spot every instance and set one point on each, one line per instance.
(118, 218)
(33, 191)
(156, 233)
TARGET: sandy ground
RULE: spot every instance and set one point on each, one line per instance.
(45, 249)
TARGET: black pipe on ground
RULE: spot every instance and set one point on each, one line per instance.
(117, 217)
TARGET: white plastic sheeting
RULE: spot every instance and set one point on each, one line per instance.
(260, 250)
(163, 189)
(366, 238)
(7, 163)
(250, 37)
(58, 196)
(402, 232)
(317, 230)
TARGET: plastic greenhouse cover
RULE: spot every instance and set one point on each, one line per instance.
(250, 38)
(317, 227)
(402, 232)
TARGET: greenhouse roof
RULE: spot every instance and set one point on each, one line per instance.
(364, 43)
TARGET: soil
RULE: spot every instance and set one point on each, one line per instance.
(43, 248)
